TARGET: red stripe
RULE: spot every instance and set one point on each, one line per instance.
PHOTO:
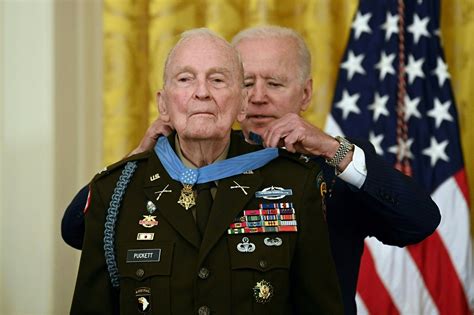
(371, 289)
(461, 180)
(88, 201)
(440, 277)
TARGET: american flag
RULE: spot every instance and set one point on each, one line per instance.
(394, 89)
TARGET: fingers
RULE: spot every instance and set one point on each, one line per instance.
(295, 134)
(167, 130)
(159, 128)
(276, 133)
(292, 140)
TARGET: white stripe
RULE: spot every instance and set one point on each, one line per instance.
(361, 308)
(332, 128)
(454, 230)
(401, 278)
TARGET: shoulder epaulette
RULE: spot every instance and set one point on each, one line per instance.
(108, 169)
(302, 159)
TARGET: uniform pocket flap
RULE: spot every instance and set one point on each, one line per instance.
(143, 260)
(259, 252)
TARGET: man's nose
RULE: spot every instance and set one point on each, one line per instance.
(202, 91)
(258, 94)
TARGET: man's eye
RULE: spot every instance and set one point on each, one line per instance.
(184, 79)
(248, 84)
(274, 84)
(217, 80)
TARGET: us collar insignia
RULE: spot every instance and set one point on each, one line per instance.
(263, 291)
(148, 221)
(273, 193)
(154, 177)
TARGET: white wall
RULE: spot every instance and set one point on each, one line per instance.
(50, 141)
(1, 148)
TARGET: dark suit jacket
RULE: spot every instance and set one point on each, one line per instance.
(301, 270)
(389, 206)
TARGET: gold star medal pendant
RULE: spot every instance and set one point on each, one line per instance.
(187, 198)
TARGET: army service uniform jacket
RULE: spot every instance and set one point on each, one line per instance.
(181, 272)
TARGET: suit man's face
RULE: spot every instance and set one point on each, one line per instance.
(272, 80)
(203, 92)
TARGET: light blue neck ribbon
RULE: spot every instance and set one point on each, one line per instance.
(214, 171)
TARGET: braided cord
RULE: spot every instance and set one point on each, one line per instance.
(111, 220)
(403, 164)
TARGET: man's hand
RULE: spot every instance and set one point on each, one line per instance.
(157, 128)
(297, 135)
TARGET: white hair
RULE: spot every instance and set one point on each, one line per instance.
(273, 31)
(206, 33)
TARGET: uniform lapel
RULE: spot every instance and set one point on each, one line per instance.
(167, 205)
(227, 204)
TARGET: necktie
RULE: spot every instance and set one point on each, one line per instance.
(203, 205)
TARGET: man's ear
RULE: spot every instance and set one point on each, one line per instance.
(162, 107)
(307, 94)
(243, 107)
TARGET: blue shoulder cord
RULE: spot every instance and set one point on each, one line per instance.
(111, 220)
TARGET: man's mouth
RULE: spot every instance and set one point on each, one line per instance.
(202, 114)
(260, 117)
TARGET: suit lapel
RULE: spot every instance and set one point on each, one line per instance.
(167, 205)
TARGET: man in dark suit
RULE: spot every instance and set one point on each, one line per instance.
(362, 194)
(160, 240)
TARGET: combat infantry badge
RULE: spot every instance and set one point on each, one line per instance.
(187, 198)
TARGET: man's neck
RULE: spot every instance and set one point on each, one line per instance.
(203, 152)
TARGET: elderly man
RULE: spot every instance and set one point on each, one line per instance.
(277, 77)
(262, 249)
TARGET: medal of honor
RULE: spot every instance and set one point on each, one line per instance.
(187, 198)
(215, 171)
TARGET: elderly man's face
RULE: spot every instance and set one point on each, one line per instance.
(272, 81)
(203, 94)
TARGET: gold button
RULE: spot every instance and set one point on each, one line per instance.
(140, 272)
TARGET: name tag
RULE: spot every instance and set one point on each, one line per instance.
(143, 255)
